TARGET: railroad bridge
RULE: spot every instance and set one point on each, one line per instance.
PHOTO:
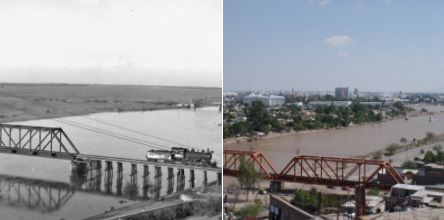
(51, 142)
(330, 171)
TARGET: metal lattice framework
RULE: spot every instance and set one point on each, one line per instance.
(336, 171)
(41, 195)
(38, 141)
(260, 161)
(314, 169)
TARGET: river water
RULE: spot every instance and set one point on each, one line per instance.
(39, 188)
(345, 142)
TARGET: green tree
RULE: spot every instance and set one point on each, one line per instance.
(258, 117)
(430, 136)
(391, 149)
(429, 157)
(247, 176)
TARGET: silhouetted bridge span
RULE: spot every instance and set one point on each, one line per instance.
(330, 171)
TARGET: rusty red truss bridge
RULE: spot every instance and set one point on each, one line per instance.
(330, 171)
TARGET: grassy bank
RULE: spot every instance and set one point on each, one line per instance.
(19, 102)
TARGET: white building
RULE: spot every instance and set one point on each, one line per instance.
(275, 100)
(328, 103)
(272, 100)
(255, 97)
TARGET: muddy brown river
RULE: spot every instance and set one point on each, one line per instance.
(345, 142)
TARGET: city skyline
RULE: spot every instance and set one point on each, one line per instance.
(317, 45)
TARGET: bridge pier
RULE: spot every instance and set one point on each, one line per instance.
(146, 179)
(108, 176)
(180, 180)
(78, 168)
(219, 178)
(275, 186)
(98, 176)
(119, 178)
(170, 178)
(133, 175)
(205, 178)
(192, 179)
(157, 181)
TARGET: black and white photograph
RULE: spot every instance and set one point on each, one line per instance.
(111, 109)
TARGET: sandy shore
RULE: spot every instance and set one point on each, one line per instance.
(21, 102)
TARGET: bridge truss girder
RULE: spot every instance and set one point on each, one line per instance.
(36, 140)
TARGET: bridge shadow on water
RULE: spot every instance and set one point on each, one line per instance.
(48, 196)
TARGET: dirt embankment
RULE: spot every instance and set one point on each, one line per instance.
(20, 102)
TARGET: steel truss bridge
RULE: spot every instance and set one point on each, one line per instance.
(330, 171)
(54, 143)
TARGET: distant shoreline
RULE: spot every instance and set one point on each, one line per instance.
(24, 102)
(244, 139)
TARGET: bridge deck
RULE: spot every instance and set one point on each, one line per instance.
(144, 162)
(86, 157)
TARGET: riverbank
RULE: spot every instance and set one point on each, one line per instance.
(272, 135)
(22, 102)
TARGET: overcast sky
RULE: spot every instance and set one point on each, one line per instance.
(373, 45)
(153, 42)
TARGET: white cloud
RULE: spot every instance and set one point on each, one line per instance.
(343, 54)
(319, 2)
(338, 40)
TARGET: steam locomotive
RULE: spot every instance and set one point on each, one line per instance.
(182, 155)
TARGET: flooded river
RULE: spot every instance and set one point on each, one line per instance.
(40, 188)
(346, 142)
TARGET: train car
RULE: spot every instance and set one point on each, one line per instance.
(196, 157)
(181, 155)
(159, 155)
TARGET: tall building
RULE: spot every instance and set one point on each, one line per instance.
(356, 92)
(341, 92)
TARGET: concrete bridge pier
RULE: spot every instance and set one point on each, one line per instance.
(98, 175)
(79, 168)
(170, 178)
(146, 179)
(180, 180)
(108, 176)
(192, 179)
(157, 181)
(119, 178)
(205, 178)
(133, 175)
(219, 178)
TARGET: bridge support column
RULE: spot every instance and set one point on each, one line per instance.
(119, 178)
(192, 179)
(108, 176)
(219, 178)
(98, 175)
(275, 186)
(180, 180)
(146, 179)
(133, 174)
(360, 200)
(79, 168)
(170, 188)
(205, 178)
(157, 181)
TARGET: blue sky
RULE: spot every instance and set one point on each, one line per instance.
(373, 45)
